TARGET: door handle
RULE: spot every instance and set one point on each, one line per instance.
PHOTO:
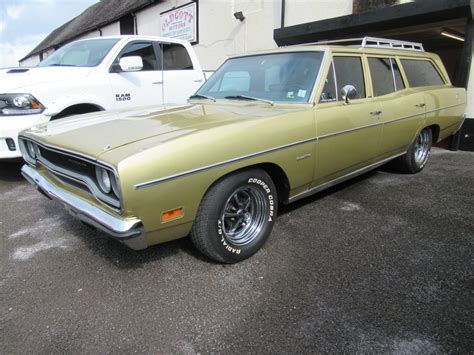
(420, 105)
(376, 113)
(157, 82)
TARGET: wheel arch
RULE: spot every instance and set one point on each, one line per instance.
(77, 109)
(276, 173)
(435, 129)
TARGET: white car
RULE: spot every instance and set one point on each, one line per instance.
(93, 75)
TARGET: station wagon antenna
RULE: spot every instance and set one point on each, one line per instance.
(374, 42)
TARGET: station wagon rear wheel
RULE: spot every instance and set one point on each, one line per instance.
(418, 154)
(236, 216)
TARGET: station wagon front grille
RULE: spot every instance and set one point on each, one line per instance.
(72, 170)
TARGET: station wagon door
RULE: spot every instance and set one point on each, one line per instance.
(137, 88)
(348, 134)
(403, 110)
(180, 78)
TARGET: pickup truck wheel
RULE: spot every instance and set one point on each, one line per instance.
(418, 154)
(236, 216)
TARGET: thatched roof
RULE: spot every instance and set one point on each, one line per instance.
(94, 17)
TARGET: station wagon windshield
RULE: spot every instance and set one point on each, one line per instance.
(282, 77)
(88, 53)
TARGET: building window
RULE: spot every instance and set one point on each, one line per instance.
(127, 25)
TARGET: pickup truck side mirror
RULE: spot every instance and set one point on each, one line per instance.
(348, 92)
(133, 63)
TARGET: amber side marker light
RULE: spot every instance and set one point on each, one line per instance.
(172, 214)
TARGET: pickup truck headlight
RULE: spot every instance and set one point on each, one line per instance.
(19, 104)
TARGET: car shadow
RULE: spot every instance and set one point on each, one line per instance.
(122, 257)
(11, 170)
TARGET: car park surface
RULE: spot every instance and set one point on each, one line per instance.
(382, 263)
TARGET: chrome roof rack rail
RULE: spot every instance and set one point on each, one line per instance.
(374, 42)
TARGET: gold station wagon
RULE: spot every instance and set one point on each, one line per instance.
(266, 128)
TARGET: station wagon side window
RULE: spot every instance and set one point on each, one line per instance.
(421, 73)
(176, 57)
(349, 71)
(386, 76)
(144, 50)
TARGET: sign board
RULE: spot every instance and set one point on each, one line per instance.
(180, 23)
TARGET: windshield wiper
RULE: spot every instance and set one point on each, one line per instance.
(244, 97)
(62, 65)
(199, 96)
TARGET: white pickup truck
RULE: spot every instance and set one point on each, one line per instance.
(93, 75)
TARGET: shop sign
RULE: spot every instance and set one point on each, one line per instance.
(180, 23)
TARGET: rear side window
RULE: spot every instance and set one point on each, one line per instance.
(349, 72)
(176, 57)
(386, 77)
(421, 73)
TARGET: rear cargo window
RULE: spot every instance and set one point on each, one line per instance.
(421, 73)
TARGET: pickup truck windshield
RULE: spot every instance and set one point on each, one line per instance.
(280, 77)
(88, 53)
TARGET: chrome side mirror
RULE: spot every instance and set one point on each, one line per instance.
(133, 63)
(348, 92)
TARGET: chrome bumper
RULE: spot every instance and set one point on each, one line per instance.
(127, 231)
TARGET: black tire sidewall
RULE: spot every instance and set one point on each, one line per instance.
(227, 252)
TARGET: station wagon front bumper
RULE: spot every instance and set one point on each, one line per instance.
(127, 231)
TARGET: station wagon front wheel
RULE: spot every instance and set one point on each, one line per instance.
(236, 216)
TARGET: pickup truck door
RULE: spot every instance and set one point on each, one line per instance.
(137, 88)
(348, 133)
(180, 77)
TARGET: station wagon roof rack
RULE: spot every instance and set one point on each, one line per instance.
(374, 42)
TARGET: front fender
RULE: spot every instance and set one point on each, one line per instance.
(62, 103)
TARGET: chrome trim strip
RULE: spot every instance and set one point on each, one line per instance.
(338, 180)
(197, 170)
(129, 231)
(215, 165)
(349, 130)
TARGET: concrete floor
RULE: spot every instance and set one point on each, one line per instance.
(382, 263)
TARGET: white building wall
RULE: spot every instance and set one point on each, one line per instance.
(112, 29)
(302, 11)
(470, 91)
(30, 62)
(221, 35)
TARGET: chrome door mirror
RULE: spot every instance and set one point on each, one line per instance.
(348, 92)
(132, 63)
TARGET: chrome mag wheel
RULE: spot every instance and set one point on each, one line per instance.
(422, 147)
(244, 215)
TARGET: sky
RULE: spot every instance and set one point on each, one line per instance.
(25, 23)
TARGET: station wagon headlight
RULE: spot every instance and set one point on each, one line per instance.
(19, 104)
(30, 146)
(104, 179)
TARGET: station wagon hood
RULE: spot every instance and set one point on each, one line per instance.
(97, 133)
(18, 80)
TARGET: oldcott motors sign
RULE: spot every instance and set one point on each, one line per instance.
(180, 22)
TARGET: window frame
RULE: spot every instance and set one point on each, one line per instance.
(393, 59)
(115, 62)
(322, 79)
